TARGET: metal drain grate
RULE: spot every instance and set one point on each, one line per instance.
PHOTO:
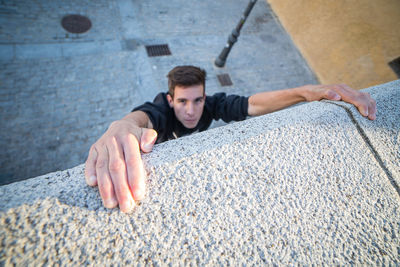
(76, 23)
(158, 50)
(224, 79)
(395, 65)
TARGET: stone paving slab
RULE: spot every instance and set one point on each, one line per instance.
(6, 52)
(39, 21)
(52, 107)
(299, 186)
(384, 133)
(40, 51)
(195, 18)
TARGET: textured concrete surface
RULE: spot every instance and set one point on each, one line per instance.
(60, 91)
(296, 187)
(345, 41)
(383, 134)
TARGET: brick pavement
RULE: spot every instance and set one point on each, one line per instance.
(59, 94)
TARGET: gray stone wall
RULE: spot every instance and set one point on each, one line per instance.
(317, 184)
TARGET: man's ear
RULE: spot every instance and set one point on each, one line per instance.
(170, 101)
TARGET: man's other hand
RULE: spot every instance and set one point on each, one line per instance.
(365, 104)
(114, 164)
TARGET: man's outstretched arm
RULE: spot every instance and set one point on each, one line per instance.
(266, 102)
(114, 162)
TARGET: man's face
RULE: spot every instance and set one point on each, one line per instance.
(188, 104)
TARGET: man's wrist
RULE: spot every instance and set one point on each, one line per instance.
(302, 92)
(137, 118)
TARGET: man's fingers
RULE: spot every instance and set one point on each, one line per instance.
(104, 180)
(365, 104)
(371, 106)
(118, 176)
(134, 166)
(147, 140)
(90, 167)
(346, 93)
(372, 109)
(332, 95)
(362, 108)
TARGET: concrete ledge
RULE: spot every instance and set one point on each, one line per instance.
(384, 133)
(299, 186)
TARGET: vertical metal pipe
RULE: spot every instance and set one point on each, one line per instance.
(232, 39)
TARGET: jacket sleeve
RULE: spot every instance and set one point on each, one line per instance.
(157, 112)
(227, 107)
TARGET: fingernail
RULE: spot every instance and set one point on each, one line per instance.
(336, 97)
(147, 146)
(92, 179)
(127, 206)
(138, 194)
(110, 203)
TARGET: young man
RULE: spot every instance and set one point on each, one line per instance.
(114, 162)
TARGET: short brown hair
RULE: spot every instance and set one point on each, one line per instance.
(185, 76)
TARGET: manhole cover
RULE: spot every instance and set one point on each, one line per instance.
(76, 23)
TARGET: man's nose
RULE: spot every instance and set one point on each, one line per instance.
(190, 109)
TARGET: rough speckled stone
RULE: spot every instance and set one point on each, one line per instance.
(384, 132)
(299, 186)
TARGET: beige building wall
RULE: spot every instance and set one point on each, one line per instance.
(345, 41)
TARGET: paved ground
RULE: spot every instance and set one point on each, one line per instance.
(60, 91)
